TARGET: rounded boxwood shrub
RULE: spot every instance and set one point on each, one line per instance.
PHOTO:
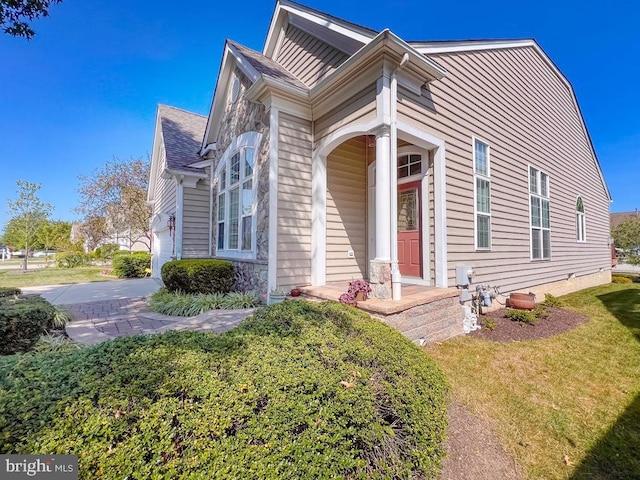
(300, 390)
(22, 321)
(198, 275)
(131, 265)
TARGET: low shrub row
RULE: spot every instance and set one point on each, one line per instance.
(198, 275)
(189, 305)
(301, 390)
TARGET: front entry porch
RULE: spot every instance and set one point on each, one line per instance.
(424, 314)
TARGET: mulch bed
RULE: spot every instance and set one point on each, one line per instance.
(558, 321)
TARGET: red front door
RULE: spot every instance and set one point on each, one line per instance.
(409, 242)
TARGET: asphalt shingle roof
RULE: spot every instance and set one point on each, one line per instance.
(182, 132)
(617, 218)
(268, 67)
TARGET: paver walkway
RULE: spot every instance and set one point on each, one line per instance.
(98, 321)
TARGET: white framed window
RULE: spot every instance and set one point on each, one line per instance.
(540, 207)
(409, 165)
(482, 194)
(581, 228)
(236, 199)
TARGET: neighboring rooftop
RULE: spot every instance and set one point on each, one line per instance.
(182, 133)
(617, 218)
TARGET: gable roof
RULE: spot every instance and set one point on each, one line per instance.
(266, 66)
(287, 11)
(182, 133)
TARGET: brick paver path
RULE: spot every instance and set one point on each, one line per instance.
(95, 322)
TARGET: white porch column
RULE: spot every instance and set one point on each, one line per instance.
(380, 267)
(383, 191)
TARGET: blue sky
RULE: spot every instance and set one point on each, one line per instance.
(86, 88)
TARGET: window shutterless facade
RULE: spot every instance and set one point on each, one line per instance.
(539, 202)
(482, 195)
(235, 210)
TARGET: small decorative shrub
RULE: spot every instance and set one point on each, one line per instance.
(198, 275)
(22, 321)
(551, 301)
(489, 324)
(9, 292)
(620, 279)
(237, 300)
(522, 316)
(106, 252)
(131, 265)
(72, 259)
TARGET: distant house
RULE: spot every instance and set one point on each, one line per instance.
(339, 152)
(619, 217)
(179, 192)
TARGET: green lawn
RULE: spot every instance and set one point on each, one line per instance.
(567, 407)
(51, 276)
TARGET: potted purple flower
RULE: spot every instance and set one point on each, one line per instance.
(359, 289)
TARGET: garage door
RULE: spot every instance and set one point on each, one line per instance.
(162, 250)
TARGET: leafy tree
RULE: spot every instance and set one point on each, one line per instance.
(93, 230)
(54, 234)
(29, 213)
(118, 193)
(627, 237)
(15, 15)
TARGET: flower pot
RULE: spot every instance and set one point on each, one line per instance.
(522, 301)
(361, 297)
(276, 298)
(295, 292)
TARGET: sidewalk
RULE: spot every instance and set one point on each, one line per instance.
(95, 291)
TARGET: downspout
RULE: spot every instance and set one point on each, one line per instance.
(211, 211)
(179, 216)
(396, 278)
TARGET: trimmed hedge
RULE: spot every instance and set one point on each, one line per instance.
(301, 390)
(131, 265)
(22, 321)
(9, 292)
(198, 275)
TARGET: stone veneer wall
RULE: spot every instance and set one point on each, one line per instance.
(431, 322)
(251, 276)
(242, 117)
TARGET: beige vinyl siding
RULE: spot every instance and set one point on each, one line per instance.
(360, 108)
(512, 100)
(347, 211)
(165, 189)
(294, 202)
(307, 57)
(195, 233)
